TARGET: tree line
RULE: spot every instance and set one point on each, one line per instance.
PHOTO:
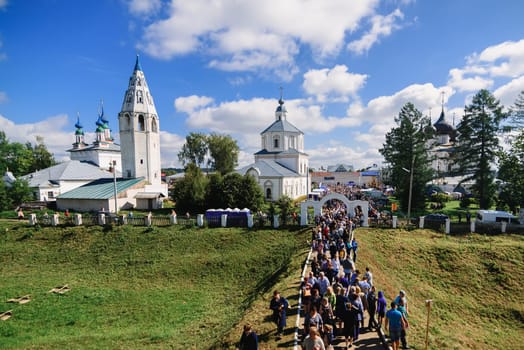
(478, 153)
(20, 159)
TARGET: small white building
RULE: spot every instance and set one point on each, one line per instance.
(281, 166)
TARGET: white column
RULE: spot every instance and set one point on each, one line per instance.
(503, 226)
(55, 220)
(101, 219)
(250, 220)
(223, 220)
(472, 225)
(421, 222)
(275, 221)
(448, 226)
(148, 219)
(173, 219)
(32, 219)
(394, 221)
(303, 214)
(200, 220)
(77, 219)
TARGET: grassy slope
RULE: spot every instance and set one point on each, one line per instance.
(475, 283)
(134, 288)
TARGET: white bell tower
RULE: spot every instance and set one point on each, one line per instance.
(139, 131)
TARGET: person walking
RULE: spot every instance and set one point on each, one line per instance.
(372, 308)
(354, 248)
(249, 339)
(279, 305)
(313, 341)
(394, 323)
(381, 308)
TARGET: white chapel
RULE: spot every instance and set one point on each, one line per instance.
(281, 166)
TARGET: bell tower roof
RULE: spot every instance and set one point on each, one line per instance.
(138, 98)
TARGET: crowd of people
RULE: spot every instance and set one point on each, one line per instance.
(335, 293)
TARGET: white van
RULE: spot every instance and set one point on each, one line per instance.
(495, 216)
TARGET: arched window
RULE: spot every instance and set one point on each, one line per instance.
(141, 123)
(276, 142)
(128, 121)
(154, 127)
(268, 193)
(129, 97)
(139, 96)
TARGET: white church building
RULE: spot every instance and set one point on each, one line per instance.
(138, 157)
(281, 166)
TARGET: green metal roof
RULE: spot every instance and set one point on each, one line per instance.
(100, 189)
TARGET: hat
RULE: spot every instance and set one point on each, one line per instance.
(402, 292)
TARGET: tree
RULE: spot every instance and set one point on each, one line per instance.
(194, 150)
(511, 168)
(250, 194)
(406, 150)
(517, 112)
(214, 192)
(223, 152)
(189, 192)
(42, 158)
(285, 207)
(19, 192)
(478, 145)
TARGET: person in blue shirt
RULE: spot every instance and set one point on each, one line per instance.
(394, 321)
(354, 247)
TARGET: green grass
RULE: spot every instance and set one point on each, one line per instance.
(133, 287)
(475, 283)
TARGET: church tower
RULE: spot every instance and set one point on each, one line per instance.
(139, 131)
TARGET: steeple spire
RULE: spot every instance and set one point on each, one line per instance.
(280, 113)
(137, 64)
(79, 134)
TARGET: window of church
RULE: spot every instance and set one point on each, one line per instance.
(141, 161)
(129, 97)
(276, 142)
(128, 120)
(268, 193)
(139, 96)
(141, 123)
(138, 82)
(154, 126)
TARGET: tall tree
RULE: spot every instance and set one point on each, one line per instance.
(478, 145)
(194, 150)
(42, 158)
(406, 151)
(511, 168)
(517, 112)
(223, 152)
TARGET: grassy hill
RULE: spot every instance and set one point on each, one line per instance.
(178, 288)
(475, 283)
(131, 287)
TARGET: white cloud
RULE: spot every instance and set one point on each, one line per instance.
(3, 4)
(504, 60)
(170, 145)
(507, 94)
(144, 7)
(52, 129)
(259, 35)
(336, 83)
(381, 26)
(458, 80)
(190, 103)
(3, 97)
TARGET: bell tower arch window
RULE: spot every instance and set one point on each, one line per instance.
(139, 96)
(141, 123)
(154, 127)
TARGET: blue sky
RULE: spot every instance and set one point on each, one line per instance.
(346, 67)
